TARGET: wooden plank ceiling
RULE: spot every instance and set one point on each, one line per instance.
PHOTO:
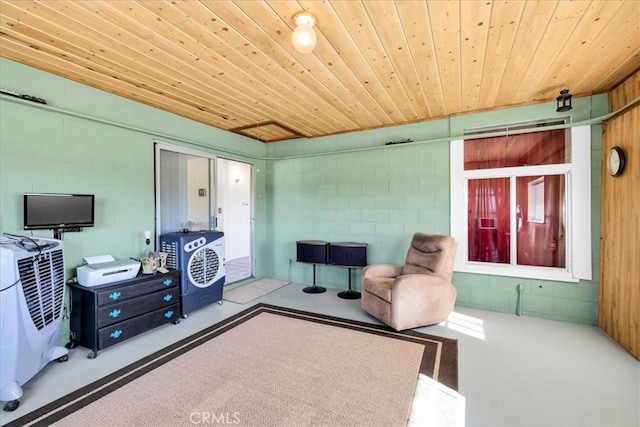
(231, 65)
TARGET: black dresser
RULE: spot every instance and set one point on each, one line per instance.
(105, 315)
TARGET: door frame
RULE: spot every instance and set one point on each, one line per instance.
(162, 145)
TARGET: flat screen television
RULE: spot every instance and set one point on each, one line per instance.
(58, 211)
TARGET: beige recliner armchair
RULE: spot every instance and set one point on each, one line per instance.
(418, 293)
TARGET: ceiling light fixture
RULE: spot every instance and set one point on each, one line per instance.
(304, 37)
(564, 101)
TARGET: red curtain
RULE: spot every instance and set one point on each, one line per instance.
(542, 243)
(536, 148)
(488, 220)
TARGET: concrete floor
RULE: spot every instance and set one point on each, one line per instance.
(513, 371)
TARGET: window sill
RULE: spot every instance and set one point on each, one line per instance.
(540, 273)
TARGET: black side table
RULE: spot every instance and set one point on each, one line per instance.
(349, 255)
(315, 289)
(349, 294)
(312, 252)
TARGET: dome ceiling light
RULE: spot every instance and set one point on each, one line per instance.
(304, 37)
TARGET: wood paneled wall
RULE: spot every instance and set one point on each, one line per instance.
(619, 304)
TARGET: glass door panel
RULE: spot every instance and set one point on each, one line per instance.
(185, 192)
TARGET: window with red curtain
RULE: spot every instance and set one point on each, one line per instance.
(534, 205)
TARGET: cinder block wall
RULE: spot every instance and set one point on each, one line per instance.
(352, 187)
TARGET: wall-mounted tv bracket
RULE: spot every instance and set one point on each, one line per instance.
(58, 232)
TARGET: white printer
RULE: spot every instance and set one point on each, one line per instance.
(104, 269)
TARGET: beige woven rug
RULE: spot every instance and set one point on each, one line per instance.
(252, 291)
(266, 366)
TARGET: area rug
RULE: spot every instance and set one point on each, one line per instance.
(252, 291)
(266, 366)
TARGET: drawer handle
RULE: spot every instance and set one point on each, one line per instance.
(116, 334)
(168, 297)
(115, 313)
(168, 282)
(115, 295)
(169, 314)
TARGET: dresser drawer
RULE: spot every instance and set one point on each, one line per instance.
(140, 287)
(121, 331)
(119, 311)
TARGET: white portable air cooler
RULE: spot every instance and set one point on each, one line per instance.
(32, 293)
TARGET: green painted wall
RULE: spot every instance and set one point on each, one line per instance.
(346, 187)
(65, 147)
(352, 187)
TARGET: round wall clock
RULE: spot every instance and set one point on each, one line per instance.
(615, 161)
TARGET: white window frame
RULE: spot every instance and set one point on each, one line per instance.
(578, 212)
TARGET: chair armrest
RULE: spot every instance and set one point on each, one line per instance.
(381, 270)
(421, 283)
